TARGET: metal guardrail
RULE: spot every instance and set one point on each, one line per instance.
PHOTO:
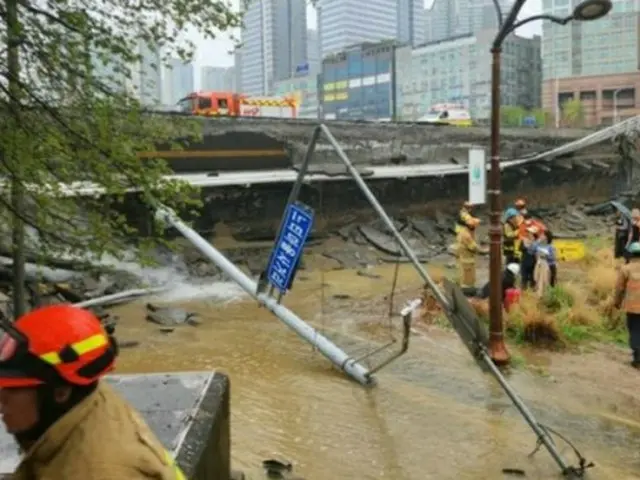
(609, 133)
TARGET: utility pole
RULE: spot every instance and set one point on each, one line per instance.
(13, 158)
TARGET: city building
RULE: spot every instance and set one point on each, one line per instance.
(142, 79)
(274, 43)
(149, 81)
(342, 23)
(411, 22)
(313, 50)
(179, 81)
(454, 18)
(305, 89)
(237, 66)
(213, 78)
(230, 84)
(221, 79)
(459, 71)
(595, 63)
(358, 83)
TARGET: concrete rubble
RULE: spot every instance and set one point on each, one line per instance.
(358, 246)
(380, 143)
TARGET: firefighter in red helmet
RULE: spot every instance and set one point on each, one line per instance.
(68, 423)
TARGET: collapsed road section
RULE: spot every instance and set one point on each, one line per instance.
(236, 143)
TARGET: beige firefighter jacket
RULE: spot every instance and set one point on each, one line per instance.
(102, 438)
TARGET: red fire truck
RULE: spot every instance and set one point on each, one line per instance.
(237, 105)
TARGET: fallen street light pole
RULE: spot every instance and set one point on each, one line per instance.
(585, 11)
(338, 357)
(473, 334)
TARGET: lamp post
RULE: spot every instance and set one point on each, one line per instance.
(615, 104)
(585, 11)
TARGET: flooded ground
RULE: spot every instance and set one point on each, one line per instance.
(433, 415)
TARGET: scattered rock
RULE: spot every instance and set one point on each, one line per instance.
(364, 273)
(341, 296)
(170, 316)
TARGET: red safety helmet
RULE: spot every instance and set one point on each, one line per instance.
(53, 343)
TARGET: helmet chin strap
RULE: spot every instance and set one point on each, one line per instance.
(50, 411)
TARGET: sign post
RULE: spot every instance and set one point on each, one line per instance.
(477, 176)
(287, 251)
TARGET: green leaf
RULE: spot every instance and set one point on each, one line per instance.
(69, 116)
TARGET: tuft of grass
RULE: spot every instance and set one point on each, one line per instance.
(530, 322)
(574, 312)
(558, 298)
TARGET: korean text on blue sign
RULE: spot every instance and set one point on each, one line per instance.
(289, 247)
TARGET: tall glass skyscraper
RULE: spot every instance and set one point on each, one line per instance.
(179, 80)
(344, 23)
(274, 43)
(411, 22)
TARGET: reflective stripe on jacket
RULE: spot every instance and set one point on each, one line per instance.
(102, 438)
(509, 237)
(628, 287)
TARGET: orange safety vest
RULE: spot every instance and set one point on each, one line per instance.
(522, 228)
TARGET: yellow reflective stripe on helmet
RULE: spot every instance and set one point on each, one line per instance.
(84, 346)
(172, 463)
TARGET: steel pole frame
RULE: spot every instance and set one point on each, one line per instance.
(337, 356)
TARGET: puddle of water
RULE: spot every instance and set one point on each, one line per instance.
(434, 415)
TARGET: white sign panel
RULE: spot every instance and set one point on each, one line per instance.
(477, 177)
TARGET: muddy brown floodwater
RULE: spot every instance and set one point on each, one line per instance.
(433, 415)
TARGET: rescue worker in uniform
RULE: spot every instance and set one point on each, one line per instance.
(509, 281)
(521, 207)
(510, 234)
(467, 248)
(627, 296)
(623, 226)
(528, 257)
(464, 216)
(68, 423)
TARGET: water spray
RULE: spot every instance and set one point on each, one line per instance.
(337, 356)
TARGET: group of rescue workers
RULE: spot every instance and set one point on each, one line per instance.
(528, 250)
(527, 247)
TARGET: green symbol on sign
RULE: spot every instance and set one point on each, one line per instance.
(476, 174)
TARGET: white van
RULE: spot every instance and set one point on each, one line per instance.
(448, 114)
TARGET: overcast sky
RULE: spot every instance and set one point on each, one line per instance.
(216, 52)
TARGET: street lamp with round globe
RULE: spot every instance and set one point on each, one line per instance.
(592, 10)
(586, 11)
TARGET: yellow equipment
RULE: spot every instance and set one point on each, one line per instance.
(567, 249)
(570, 249)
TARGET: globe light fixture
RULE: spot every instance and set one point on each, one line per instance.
(591, 10)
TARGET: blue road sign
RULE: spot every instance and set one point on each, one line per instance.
(288, 249)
